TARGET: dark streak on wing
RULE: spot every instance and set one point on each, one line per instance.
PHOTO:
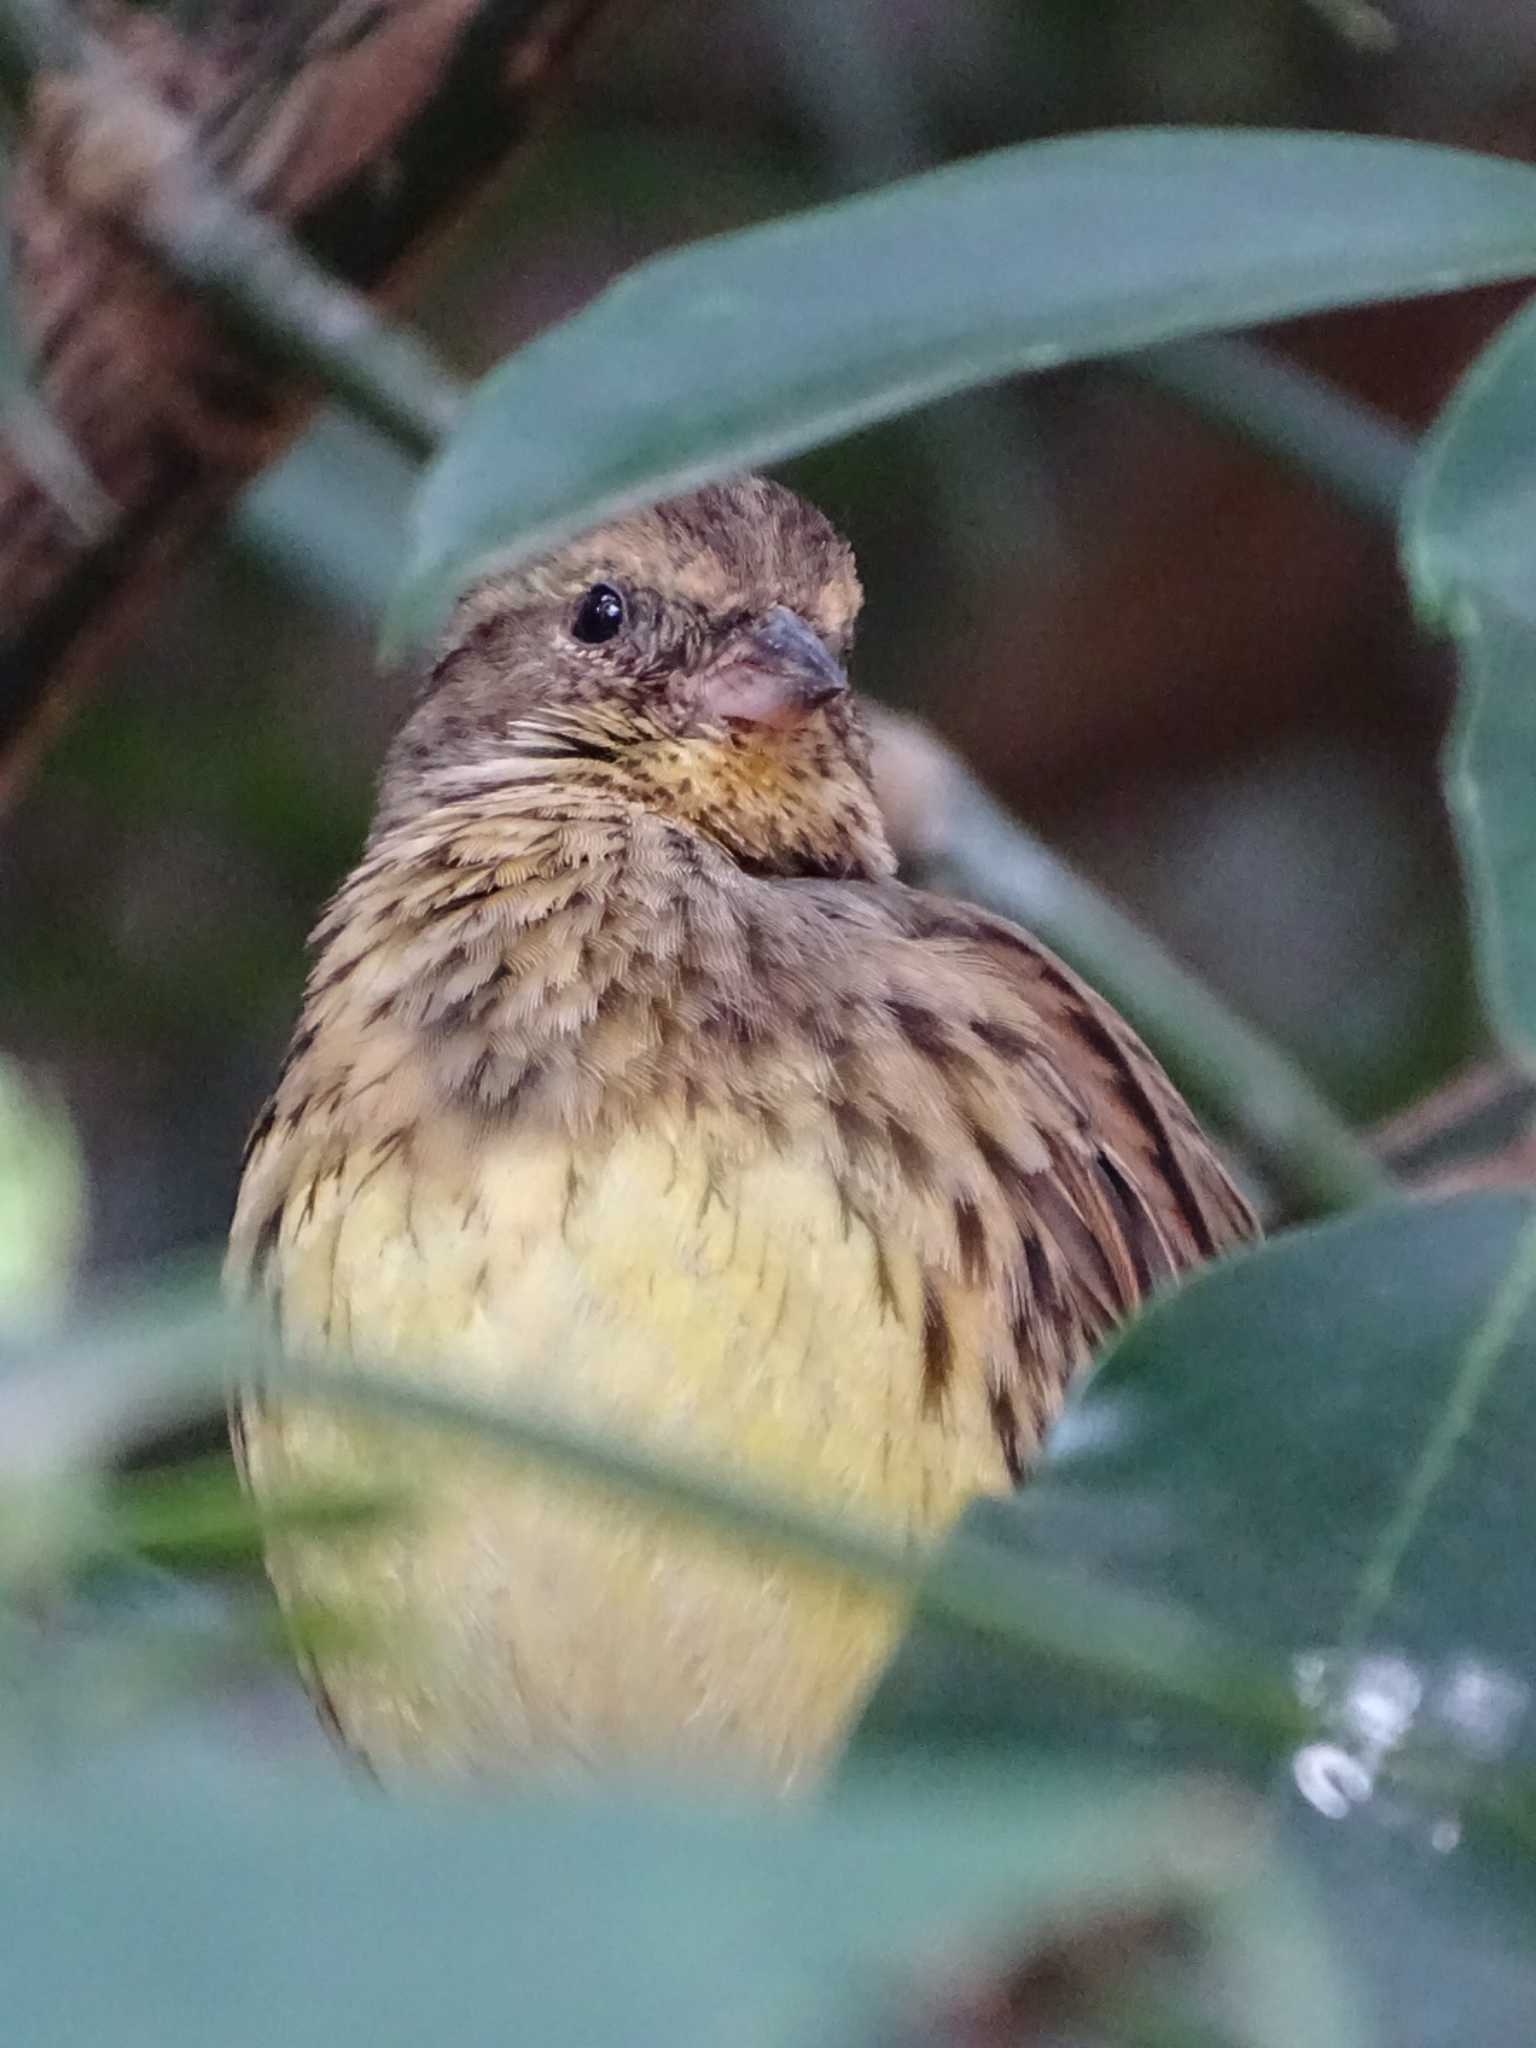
(264, 1246)
(1188, 1208)
(1131, 1193)
(261, 1130)
(938, 1348)
(971, 1238)
(1005, 1421)
(1139, 1100)
(1145, 1242)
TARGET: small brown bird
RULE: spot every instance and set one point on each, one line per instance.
(629, 1079)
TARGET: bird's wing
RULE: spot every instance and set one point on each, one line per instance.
(986, 1098)
(1180, 1200)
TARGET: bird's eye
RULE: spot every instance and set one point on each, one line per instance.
(599, 615)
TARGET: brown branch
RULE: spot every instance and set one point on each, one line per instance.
(1476, 1130)
(362, 129)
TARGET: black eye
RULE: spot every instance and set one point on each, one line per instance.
(599, 615)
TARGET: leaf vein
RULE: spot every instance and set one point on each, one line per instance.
(1480, 1358)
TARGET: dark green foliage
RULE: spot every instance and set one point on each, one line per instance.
(1322, 1448)
(751, 347)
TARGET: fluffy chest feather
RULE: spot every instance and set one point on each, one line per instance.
(733, 1314)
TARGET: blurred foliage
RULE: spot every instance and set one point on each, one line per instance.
(1466, 541)
(1165, 1711)
(1374, 1384)
(42, 1206)
(901, 1921)
(749, 348)
(1221, 1731)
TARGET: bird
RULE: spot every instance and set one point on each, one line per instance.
(631, 1082)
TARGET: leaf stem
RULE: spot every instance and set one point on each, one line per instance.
(1485, 1351)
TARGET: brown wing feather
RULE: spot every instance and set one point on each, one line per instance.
(1057, 1176)
(1162, 1191)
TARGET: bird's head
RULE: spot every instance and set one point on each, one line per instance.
(688, 660)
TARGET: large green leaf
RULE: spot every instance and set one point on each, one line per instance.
(151, 1914)
(1469, 545)
(1326, 1445)
(748, 347)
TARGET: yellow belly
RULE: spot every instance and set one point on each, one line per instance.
(739, 1316)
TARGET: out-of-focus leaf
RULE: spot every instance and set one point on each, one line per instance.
(118, 1655)
(42, 1206)
(1325, 1445)
(79, 1400)
(330, 517)
(297, 1914)
(196, 1516)
(751, 346)
(1469, 546)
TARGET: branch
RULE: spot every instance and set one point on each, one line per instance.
(1477, 1130)
(138, 167)
(166, 190)
(963, 841)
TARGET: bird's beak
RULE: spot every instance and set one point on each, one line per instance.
(776, 672)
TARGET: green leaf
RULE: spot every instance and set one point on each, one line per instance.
(329, 517)
(296, 1913)
(1326, 1446)
(197, 1516)
(1468, 547)
(749, 347)
(42, 1206)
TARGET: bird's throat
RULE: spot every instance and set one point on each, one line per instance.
(541, 954)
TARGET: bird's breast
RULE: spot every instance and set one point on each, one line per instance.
(723, 1308)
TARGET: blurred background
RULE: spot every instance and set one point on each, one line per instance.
(1190, 670)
